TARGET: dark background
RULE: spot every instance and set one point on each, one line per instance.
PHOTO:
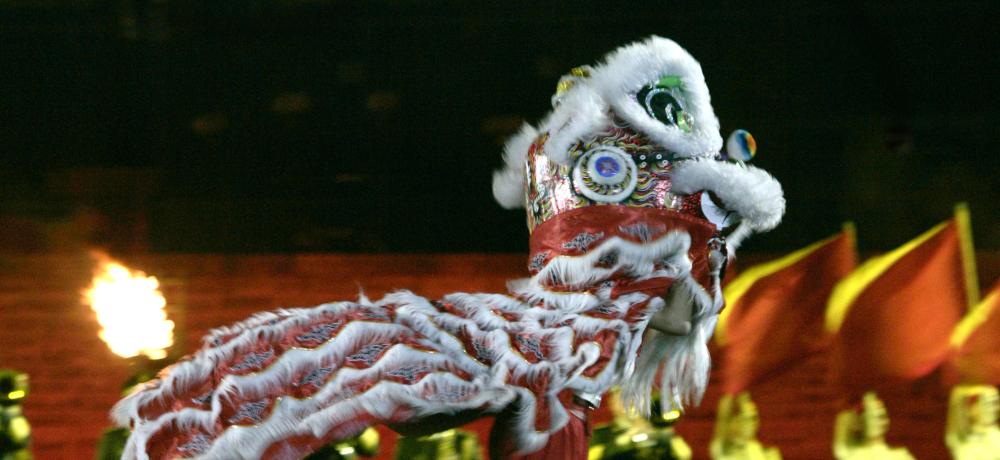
(282, 125)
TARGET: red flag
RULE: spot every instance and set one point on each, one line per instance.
(775, 311)
(976, 342)
(894, 316)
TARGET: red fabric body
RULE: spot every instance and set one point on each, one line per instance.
(253, 351)
(549, 239)
(570, 443)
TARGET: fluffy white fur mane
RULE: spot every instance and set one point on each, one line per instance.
(583, 112)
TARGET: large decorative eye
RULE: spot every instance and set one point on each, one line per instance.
(605, 174)
(664, 101)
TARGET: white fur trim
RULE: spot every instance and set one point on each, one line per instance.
(552, 319)
(685, 360)
(508, 182)
(582, 115)
(584, 111)
(634, 259)
(751, 192)
(628, 69)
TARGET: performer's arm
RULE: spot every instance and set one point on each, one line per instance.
(953, 425)
(717, 447)
(842, 429)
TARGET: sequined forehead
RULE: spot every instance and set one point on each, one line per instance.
(640, 148)
(620, 167)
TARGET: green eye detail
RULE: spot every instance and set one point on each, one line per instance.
(664, 101)
(669, 81)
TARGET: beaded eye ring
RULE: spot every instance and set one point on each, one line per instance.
(605, 174)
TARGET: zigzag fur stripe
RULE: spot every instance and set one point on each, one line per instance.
(380, 401)
(301, 411)
(333, 353)
(194, 371)
(532, 291)
(563, 365)
(559, 338)
(561, 342)
(355, 334)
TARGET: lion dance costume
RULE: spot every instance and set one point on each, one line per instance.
(633, 210)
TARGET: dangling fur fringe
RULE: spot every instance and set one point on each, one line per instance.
(684, 360)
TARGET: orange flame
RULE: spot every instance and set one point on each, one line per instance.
(130, 310)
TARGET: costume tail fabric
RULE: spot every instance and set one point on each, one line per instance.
(281, 384)
(634, 211)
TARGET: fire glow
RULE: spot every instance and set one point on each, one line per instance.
(130, 310)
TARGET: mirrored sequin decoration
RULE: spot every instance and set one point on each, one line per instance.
(603, 170)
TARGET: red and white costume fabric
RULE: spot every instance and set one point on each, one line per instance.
(628, 216)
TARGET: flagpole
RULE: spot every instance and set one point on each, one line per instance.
(848, 228)
(964, 223)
